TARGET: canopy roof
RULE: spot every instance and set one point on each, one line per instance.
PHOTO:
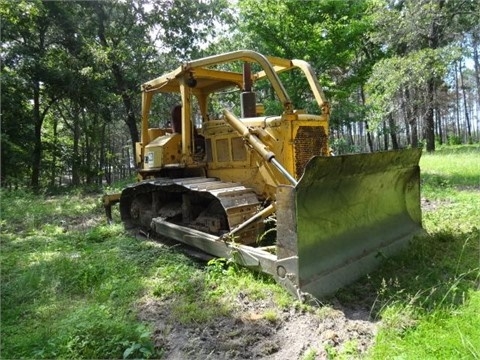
(204, 76)
(207, 79)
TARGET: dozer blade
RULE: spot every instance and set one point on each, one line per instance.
(350, 212)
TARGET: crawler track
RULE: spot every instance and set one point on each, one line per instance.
(205, 204)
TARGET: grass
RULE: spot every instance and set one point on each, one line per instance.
(68, 286)
(428, 298)
(71, 284)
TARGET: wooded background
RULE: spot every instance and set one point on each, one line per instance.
(397, 73)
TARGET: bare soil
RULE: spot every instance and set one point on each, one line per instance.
(247, 333)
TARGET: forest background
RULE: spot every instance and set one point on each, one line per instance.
(397, 73)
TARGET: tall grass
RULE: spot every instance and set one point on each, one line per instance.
(428, 299)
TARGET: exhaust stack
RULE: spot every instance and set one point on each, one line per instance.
(247, 98)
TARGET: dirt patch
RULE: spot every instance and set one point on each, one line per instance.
(82, 223)
(248, 333)
(432, 205)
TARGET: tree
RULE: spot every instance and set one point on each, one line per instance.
(419, 39)
(128, 51)
(331, 35)
(17, 134)
(29, 55)
(68, 67)
(185, 27)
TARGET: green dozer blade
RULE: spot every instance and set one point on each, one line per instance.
(350, 212)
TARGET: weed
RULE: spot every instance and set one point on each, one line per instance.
(226, 277)
(349, 350)
(324, 312)
(270, 315)
(331, 351)
(268, 237)
(102, 233)
(217, 268)
(178, 279)
(143, 349)
(310, 354)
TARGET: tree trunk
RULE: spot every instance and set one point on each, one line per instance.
(103, 146)
(369, 137)
(121, 84)
(465, 106)
(439, 127)
(433, 43)
(406, 117)
(476, 62)
(385, 136)
(350, 135)
(414, 131)
(76, 154)
(90, 139)
(37, 146)
(457, 103)
(412, 120)
(108, 168)
(53, 167)
(429, 118)
(38, 117)
(393, 135)
(367, 129)
(407, 131)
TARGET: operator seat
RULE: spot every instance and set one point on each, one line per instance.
(177, 128)
(177, 119)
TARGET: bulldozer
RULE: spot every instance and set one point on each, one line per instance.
(222, 174)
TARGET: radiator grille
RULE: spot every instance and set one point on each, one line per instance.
(310, 141)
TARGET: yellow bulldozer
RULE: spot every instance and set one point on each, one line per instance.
(224, 182)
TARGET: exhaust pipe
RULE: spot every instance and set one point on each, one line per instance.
(247, 98)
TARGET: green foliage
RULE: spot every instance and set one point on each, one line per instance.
(103, 233)
(310, 354)
(185, 35)
(420, 51)
(328, 34)
(342, 146)
(16, 135)
(392, 75)
(225, 276)
(94, 331)
(348, 351)
(71, 75)
(454, 140)
(271, 316)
